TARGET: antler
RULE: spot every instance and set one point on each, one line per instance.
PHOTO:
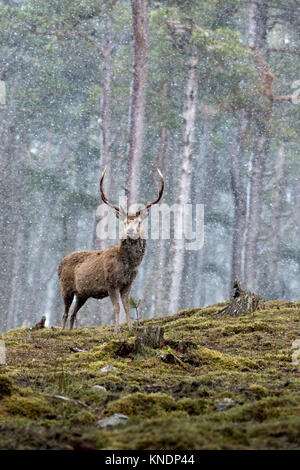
(103, 195)
(105, 200)
(159, 194)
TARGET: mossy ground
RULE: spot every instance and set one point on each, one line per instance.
(170, 395)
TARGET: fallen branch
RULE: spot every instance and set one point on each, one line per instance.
(76, 350)
(72, 400)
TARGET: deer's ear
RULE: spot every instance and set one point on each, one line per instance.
(144, 213)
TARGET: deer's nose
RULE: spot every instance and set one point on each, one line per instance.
(130, 231)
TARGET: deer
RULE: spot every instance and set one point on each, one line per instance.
(110, 272)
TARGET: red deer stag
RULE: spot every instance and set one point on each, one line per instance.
(110, 272)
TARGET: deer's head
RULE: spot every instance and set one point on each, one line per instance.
(133, 224)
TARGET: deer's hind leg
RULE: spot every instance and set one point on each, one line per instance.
(68, 299)
(80, 301)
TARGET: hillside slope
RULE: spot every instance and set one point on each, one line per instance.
(218, 383)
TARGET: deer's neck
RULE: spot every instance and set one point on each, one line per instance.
(132, 251)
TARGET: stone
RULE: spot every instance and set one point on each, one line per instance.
(113, 420)
(100, 388)
(108, 368)
(224, 405)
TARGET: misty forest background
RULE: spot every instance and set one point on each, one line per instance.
(206, 90)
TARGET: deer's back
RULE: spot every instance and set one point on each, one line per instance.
(93, 272)
(66, 268)
(100, 272)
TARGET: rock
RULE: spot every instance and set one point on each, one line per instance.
(108, 368)
(100, 388)
(224, 405)
(296, 344)
(113, 420)
(296, 352)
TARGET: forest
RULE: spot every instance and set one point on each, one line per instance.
(181, 118)
(205, 90)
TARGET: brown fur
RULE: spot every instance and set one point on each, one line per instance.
(98, 274)
(110, 272)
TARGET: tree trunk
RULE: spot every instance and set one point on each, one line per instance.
(24, 269)
(13, 210)
(273, 284)
(7, 197)
(38, 255)
(257, 38)
(207, 168)
(160, 252)
(240, 202)
(255, 206)
(252, 24)
(138, 97)
(189, 116)
(105, 104)
(105, 124)
(13, 291)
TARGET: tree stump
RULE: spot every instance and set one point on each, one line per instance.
(39, 325)
(150, 336)
(242, 301)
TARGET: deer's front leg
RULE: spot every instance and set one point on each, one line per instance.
(114, 297)
(125, 301)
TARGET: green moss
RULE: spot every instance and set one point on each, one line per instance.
(82, 417)
(155, 404)
(191, 406)
(258, 390)
(266, 409)
(218, 360)
(171, 404)
(248, 328)
(29, 407)
(142, 405)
